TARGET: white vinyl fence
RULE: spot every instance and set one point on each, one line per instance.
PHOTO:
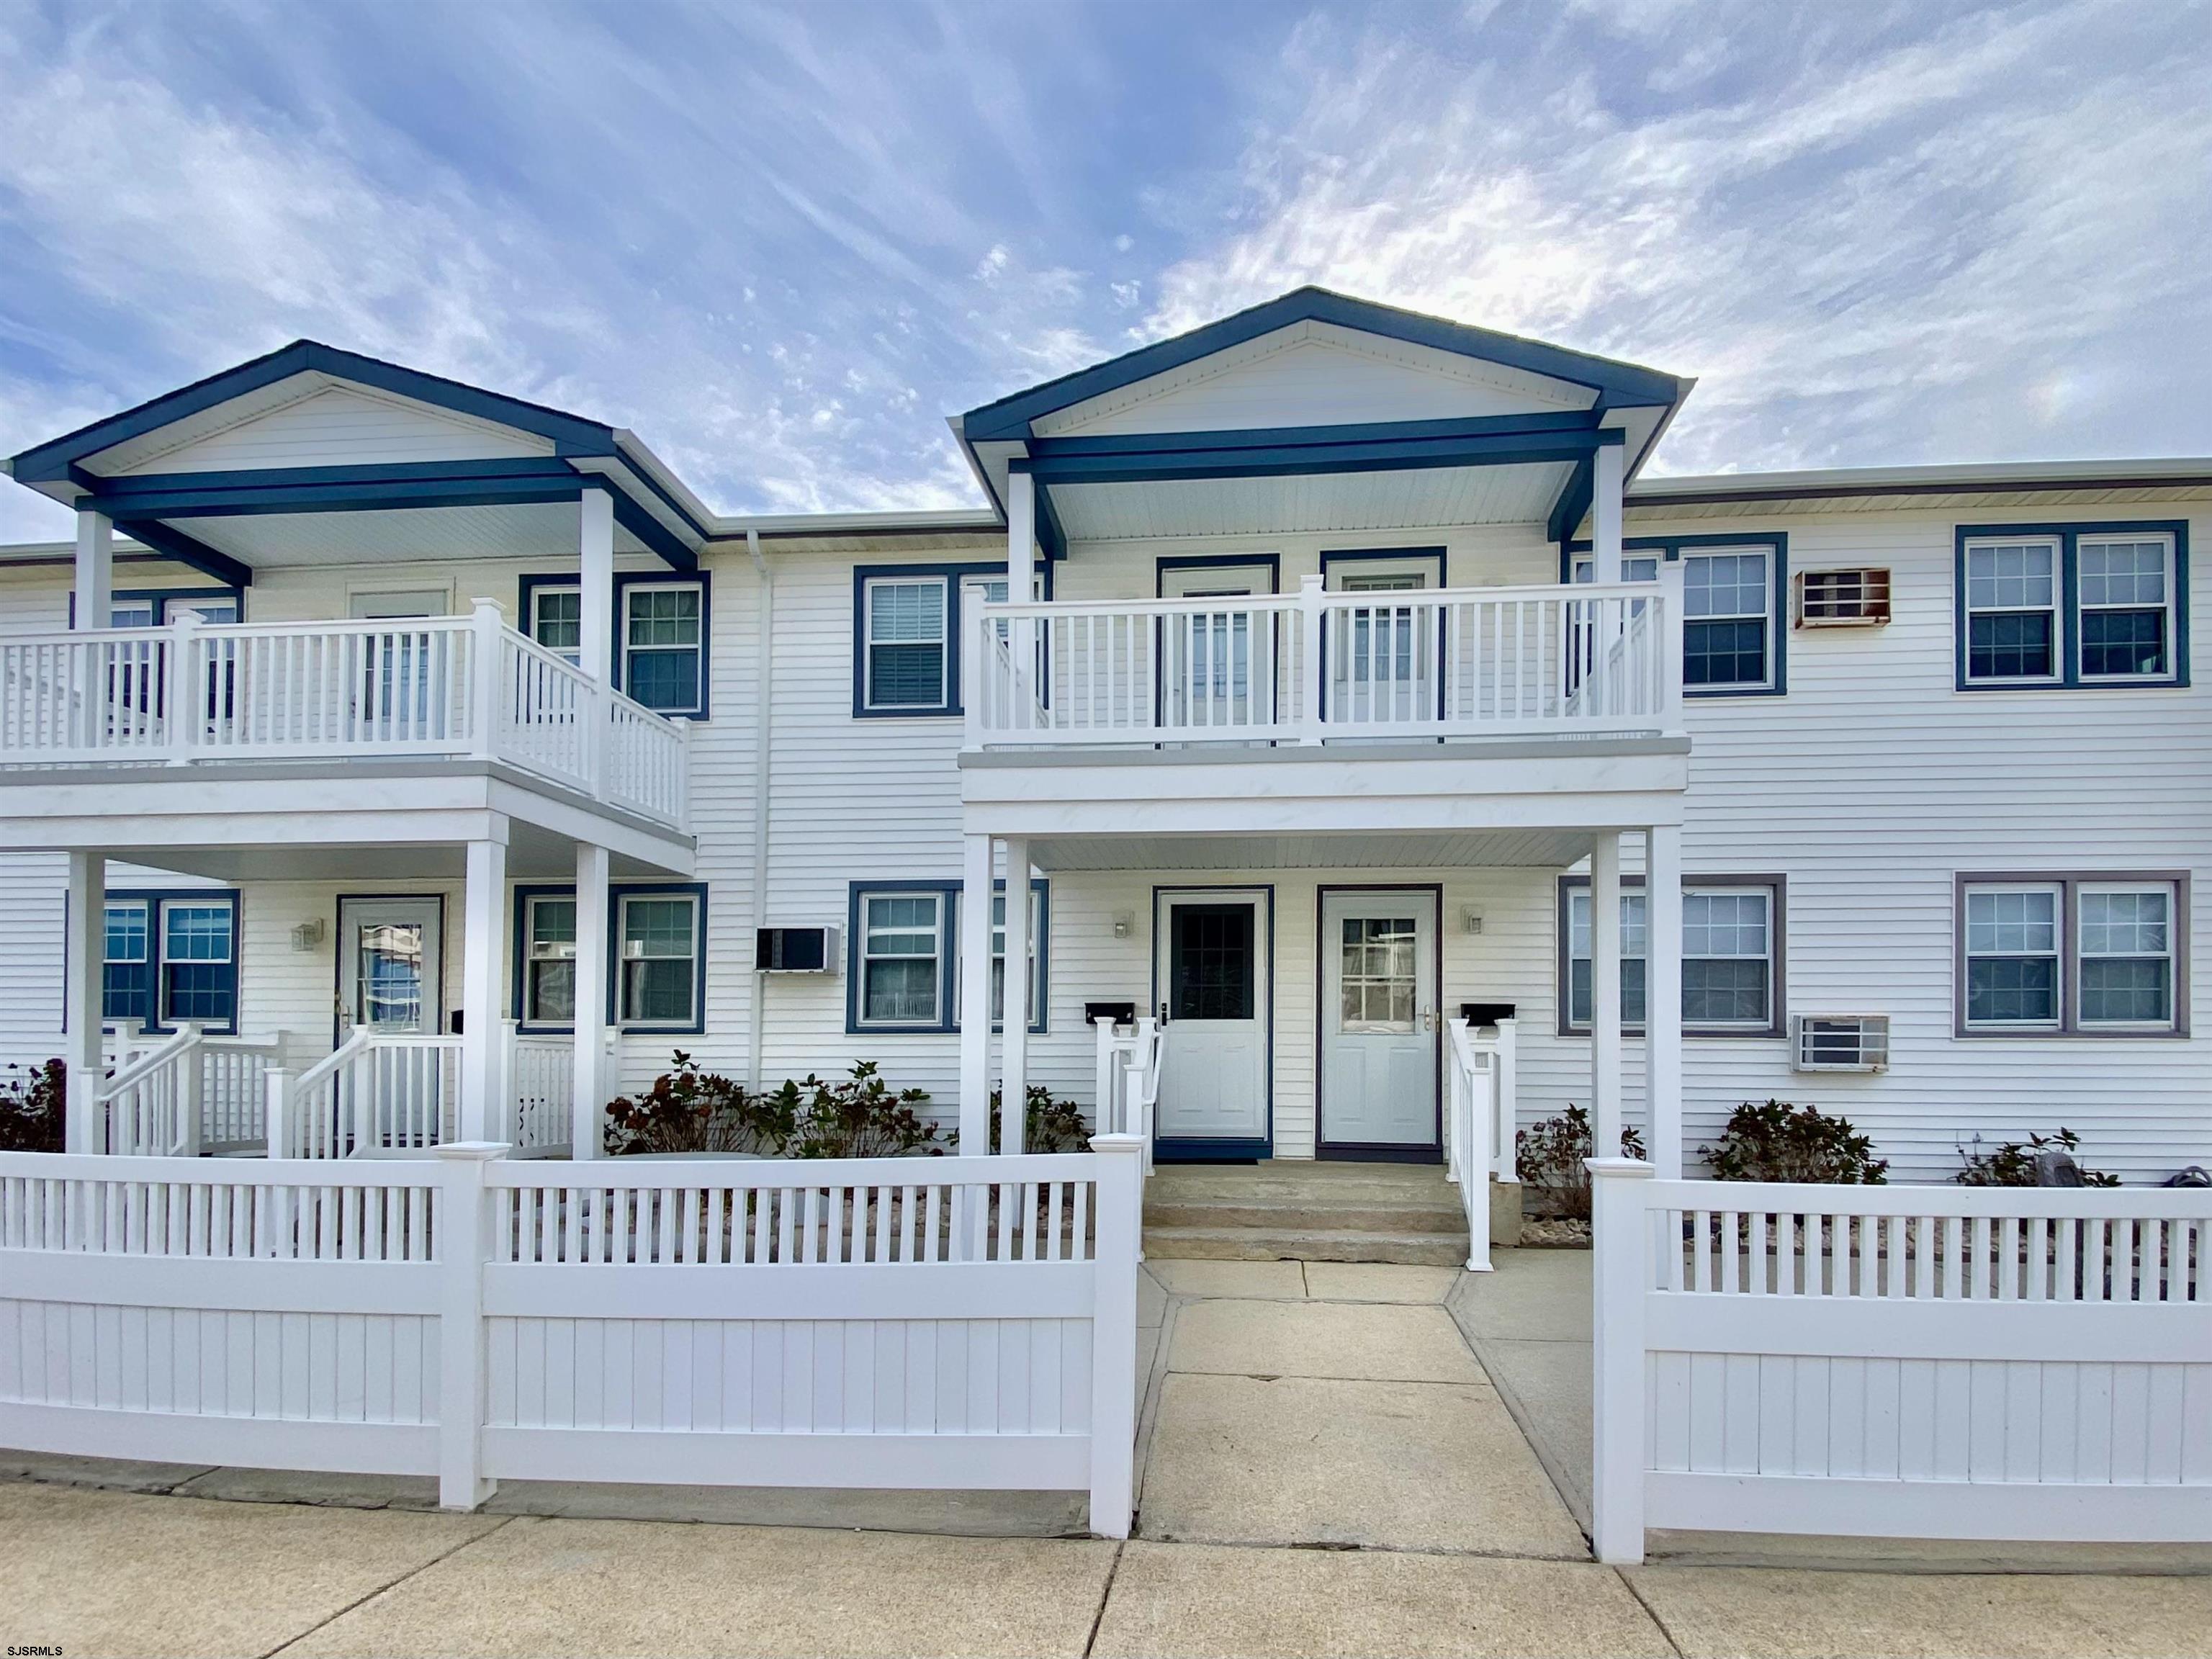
(954, 1323)
(1938, 1362)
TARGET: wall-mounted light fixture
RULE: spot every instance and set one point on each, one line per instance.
(1470, 918)
(1125, 924)
(308, 935)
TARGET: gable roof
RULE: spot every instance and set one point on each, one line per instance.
(1617, 384)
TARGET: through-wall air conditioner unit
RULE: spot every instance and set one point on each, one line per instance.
(1840, 1043)
(1843, 599)
(552, 950)
(795, 950)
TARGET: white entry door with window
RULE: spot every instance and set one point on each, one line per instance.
(1382, 656)
(1379, 1020)
(1217, 665)
(1213, 976)
(389, 965)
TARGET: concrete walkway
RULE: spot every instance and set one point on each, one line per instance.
(1328, 1467)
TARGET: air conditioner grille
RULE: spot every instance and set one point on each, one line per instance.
(1841, 1042)
(1843, 599)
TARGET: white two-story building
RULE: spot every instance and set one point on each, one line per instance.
(1314, 677)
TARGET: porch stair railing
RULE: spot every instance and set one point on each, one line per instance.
(1479, 1123)
(1316, 667)
(187, 1094)
(377, 1095)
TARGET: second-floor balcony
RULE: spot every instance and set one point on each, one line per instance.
(197, 698)
(1326, 670)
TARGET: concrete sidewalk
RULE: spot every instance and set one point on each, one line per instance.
(1327, 1468)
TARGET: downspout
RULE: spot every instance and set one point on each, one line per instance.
(763, 703)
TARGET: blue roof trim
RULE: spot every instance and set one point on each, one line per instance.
(50, 462)
(1618, 384)
(189, 551)
(1344, 449)
(1574, 502)
(1051, 535)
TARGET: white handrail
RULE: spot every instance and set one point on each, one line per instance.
(152, 1105)
(1471, 1099)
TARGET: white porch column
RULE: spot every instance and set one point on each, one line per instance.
(95, 569)
(1605, 995)
(1662, 1000)
(586, 1139)
(1021, 533)
(595, 564)
(81, 1001)
(1014, 1010)
(975, 996)
(1608, 466)
(484, 1103)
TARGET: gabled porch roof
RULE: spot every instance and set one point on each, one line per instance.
(1383, 416)
(313, 454)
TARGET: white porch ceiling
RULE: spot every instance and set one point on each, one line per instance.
(1550, 849)
(1336, 502)
(531, 530)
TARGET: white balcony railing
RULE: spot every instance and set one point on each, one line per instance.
(455, 686)
(1315, 666)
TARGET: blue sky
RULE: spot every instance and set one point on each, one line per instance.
(783, 243)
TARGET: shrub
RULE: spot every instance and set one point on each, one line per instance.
(2012, 1163)
(34, 1108)
(1549, 1155)
(1048, 1125)
(1782, 1142)
(688, 1110)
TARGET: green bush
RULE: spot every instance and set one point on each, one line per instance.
(1549, 1155)
(2012, 1163)
(1048, 1125)
(33, 1101)
(688, 1110)
(1782, 1142)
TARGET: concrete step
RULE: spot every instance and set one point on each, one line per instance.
(1309, 1243)
(1363, 1213)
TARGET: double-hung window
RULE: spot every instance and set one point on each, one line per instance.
(1035, 975)
(1731, 956)
(661, 965)
(906, 644)
(1729, 604)
(2071, 604)
(901, 951)
(663, 633)
(556, 620)
(549, 966)
(2071, 955)
(170, 957)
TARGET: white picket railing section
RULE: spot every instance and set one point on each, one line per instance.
(955, 1323)
(1943, 1362)
(1479, 1123)
(185, 1094)
(541, 1084)
(379, 1094)
(1316, 667)
(469, 686)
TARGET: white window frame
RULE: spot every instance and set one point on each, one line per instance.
(1034, 1012)
(1635, 914)
(2062, 988)
(158, 947)
(2170, 607)
(536, 618)
(943, 585)
(863, 957)
(629, 591)
(1770, 1022)
(2080, 958)
(145, 908)
(2055, 545)
(695, 1017)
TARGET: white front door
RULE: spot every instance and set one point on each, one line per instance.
(389, 965)
(1217, 667)
(1212, 970)
(1382, 656)
(1379, 1013)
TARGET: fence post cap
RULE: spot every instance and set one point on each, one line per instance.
(1620, 1167)
(481, 604)
(1120, 1145)
(479, 1152)
(1310, 584)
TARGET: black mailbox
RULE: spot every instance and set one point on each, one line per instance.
(1121, 1013)
(1484, 1014)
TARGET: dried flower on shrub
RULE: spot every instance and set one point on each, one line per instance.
(1048, 1125)
(1549, 1155)
(1782, 1142)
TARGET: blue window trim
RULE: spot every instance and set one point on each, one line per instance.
(2069, 536)
(1671, 548)
(519, 905)
(527, 587)
(157, 899)
(948, 969)
(952, 575)
(1271, 562)
(162, 597)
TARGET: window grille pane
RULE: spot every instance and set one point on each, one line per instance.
(664, 680)
(1580, 1006)
(2125, 923)
(2012, 990)
(126, 933)
(2012, 923)
(2014, 646)
(201, 991)
(657, 991)
(1724, 585)
(560, 619)
(2123, 573)
(196, 933)
(1723, 653)
(1634, 933)
(553, 921)
(2135, 990)
(1724, 924)
(661, 927)
(2123, 642)
(1724, 992)
(2012, 576)
(663, 616)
